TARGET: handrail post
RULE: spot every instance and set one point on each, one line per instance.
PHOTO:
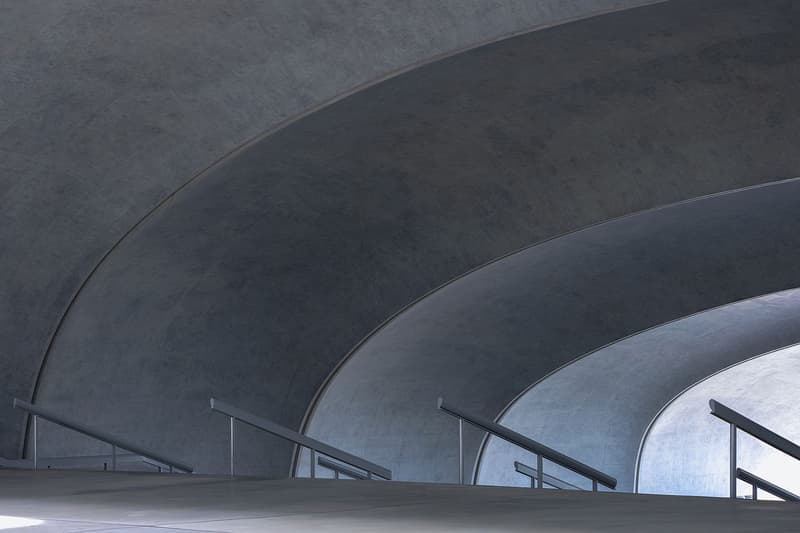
(114, 457)
(540, 473)
(594, 485)
(460, 451)
(755, 492)
(35, 442)
(231, 449)
(509, 435)
(733, 461)
(318, 448)
(313, 459)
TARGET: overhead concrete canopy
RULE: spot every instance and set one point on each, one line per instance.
(253, 282)
(598, 408)
(108, 108)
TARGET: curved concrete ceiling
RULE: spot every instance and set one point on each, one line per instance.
(484, 338)
(106, 108)
(598, 408)
(686, 450)
(255, 281)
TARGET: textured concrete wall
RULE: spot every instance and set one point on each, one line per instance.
(686, 451)
(252, 283)
(107, 107)
(598, 408)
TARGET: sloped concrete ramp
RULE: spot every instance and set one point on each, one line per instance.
(63, 502)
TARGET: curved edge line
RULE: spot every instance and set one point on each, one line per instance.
(504, 411)
(652, 423)
(160, 204)
(321, 391)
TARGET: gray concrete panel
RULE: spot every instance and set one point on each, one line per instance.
(686, 450)
(107, 107)
(255, 281)
(597, 409)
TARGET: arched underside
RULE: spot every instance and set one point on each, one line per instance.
(484, 338)
(108, 108)
(598, 408)
(686, 450)
(253, 283)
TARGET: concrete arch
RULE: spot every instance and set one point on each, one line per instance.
(482, 339)
(255, 281)
(701, 466)
(108, 108)
(599, 407)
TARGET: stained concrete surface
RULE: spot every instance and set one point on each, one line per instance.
(254, 282)
(140, 502)
(598, 408)
(106, 108)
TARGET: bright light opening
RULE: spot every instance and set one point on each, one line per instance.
(10, 522)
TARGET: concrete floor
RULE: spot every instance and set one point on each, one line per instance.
(117, 502)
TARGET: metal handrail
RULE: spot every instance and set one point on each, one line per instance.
(82, 461)
(341, 469)
(736, 421)
(525, 443)
(113, 440)
(755, 429)
(532, 473)
(766, 486)
(234, 413)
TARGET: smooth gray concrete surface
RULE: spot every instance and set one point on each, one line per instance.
(598, 408)
(255, 281)
(111, 502)
(106, 108)
(483, 339)
(686, 450)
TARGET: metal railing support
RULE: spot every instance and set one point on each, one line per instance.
(759, 483)
(315, 446)
(530, 445)
(231, 450)
(460, 451)
(732, 461)
(533, 474)
(540, 471)
(41, 412)
(736, 422)
(35, 442)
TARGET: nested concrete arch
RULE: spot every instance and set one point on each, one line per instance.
(599, 407)
(255, 281)
(484, 338)
(108, 108)
(686, 448)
